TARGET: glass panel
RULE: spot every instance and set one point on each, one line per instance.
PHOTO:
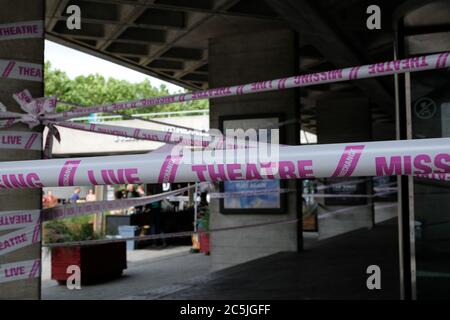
(430, 104)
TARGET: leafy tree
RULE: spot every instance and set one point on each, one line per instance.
(94, 89)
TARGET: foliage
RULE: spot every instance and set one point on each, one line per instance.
(74, 229)
(94, 89)
(56, 231)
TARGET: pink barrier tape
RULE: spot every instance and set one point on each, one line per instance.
(321, 195)
(73, 210)
(9, 115)
(10, 69)
(33, 106)
(220, 195)
(4, 124)
(353, 208)
(20, 238)
(52, 134)
(20, 140)
(168, 235)
(141, 134)
(18, 219)
(162, 123)
(48, 147)
(134, 117)
(197, 139)
(429, 62)
(34, 109)
(338, 184)
(28, 269)
(22, 30)
(423, 157)
(284, 123)
(435, 176)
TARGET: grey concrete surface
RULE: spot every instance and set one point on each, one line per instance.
(147, 270)
(329, 269)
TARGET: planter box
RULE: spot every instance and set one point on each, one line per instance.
(97, 263)
(204, 242)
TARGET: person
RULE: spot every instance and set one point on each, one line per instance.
(131, 193)
(141, 193)
(140, 190)
(49, 200)
(75, 195)
(91, 196)
(157, 222)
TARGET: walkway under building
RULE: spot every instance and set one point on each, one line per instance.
(219, 43)
(330, 269)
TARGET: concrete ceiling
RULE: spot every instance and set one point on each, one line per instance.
(168, 39)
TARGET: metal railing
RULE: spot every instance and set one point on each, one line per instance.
(168, 114)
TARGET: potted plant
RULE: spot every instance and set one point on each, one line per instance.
(97, 262)
(203, 225)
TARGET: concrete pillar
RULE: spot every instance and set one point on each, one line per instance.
(27, 50)
(343, 119)
(100, 194)
(240, 59)
(190, 196)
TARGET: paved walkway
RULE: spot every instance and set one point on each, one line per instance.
(329, 269)
(147, 270)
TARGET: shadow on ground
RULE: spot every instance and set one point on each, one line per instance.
(331, 269)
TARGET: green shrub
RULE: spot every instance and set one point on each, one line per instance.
(73, 229)
(56, 231)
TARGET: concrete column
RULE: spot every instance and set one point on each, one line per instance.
(239, 59)
(343, 119)
(100, 193)
(27, 50)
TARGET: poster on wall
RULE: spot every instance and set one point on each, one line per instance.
(262, 201)
(271, 202)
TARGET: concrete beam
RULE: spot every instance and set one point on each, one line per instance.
(221, 5)
(166, 64)
(181, 53)
(191, 7)
(304, 17)
(127, 13)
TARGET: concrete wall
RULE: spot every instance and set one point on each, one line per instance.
(344, 119)
(27, 50)
(76, 142)
(242, 59)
